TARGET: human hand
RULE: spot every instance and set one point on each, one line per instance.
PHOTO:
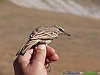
(33, 62)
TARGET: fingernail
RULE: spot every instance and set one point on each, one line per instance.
(41, 46)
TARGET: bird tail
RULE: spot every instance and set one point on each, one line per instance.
(23, 50)
(26, 47)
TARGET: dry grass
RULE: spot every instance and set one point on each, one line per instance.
(81, 52)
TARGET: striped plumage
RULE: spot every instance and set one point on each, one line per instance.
(42, 34)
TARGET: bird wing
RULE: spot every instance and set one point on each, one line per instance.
(43, 33)
(39, 34)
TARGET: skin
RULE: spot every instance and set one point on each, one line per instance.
(33, 62)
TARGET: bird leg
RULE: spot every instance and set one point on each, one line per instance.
(48, 65)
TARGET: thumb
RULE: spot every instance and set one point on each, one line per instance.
(40, 53)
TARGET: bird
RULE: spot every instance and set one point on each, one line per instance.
(42, 34)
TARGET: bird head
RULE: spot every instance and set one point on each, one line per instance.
(61, 31)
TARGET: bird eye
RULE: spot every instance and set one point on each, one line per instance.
(61, 29)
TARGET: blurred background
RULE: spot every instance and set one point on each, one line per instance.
(81, 19)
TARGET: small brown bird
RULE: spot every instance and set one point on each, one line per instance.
(42, 34)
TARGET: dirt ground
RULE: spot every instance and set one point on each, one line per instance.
(78, 53)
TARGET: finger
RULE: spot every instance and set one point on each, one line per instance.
(40, 54)
(53, 58)
(24, 60)
(51, 54)
(50, 51)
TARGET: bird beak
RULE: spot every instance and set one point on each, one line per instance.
(65, 33)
